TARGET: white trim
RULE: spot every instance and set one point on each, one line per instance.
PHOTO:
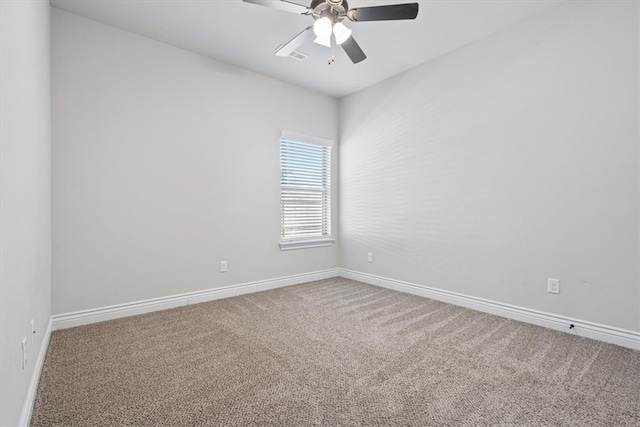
(304, 244)
(307, 139)
(86, 317)
(27, 408)
(609, 334)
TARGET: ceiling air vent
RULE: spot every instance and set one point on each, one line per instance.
(298, 55)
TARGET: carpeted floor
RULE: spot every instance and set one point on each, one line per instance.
(334, 353)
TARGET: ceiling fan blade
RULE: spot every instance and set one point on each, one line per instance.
(353, 50)
(294, 43)
(384, 13)
(285, 5)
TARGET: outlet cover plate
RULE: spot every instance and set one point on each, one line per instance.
(553, 286)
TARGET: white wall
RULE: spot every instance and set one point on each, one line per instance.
(506, 162)
(25, 181)
(164, 163)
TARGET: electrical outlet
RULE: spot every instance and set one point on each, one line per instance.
(24, 353)
(223, 266)
(553, 286)
(370, 257)
(33, 331)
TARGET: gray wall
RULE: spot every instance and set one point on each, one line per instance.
(506, 162)
(164, 163)
(25, 181)
(484, 172)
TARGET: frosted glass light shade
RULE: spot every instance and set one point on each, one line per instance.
(322, 27)
(324, 41)
(341, 32)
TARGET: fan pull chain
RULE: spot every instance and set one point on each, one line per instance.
(332, 58)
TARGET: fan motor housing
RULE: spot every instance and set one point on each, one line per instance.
(337, 8)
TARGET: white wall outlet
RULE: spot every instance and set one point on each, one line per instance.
(24, 353)
(33, 331)
(370, 257)
(553, 286)
(223, 266)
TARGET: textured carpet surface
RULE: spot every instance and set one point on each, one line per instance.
(337, 353)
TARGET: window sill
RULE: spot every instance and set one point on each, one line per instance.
(304, 244)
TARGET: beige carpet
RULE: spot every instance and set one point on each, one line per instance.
(334, 353)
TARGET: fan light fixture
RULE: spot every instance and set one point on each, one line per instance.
(324, 28)
(323, 41)
(341, 32)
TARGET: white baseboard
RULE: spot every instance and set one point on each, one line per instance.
(85, 317)
(609, 334)
(27, 408)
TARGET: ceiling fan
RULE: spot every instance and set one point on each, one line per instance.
(328, 27)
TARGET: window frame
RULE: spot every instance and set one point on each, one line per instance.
(303, 242)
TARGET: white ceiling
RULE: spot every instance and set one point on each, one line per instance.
(246, 35)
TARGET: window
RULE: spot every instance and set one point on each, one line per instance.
(305, 192)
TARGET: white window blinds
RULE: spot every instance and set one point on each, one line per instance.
(305, 190)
